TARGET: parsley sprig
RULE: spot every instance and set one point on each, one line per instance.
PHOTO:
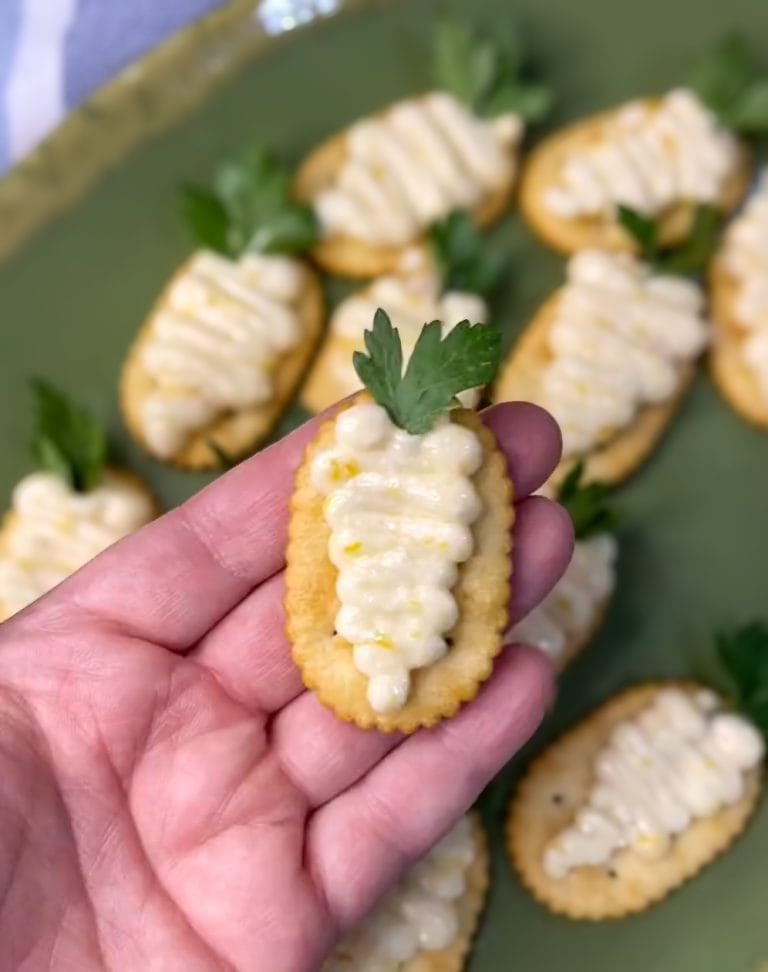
(729, 82)
(586, 504)
(463, 259)
(689, 257)
(68, 441)
(249, 208)
(743, 653)
(438, 369)
(488, 73)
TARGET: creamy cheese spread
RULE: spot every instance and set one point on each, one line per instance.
(215, 341)
(400, 509)
(569, 613)
(421, 914)
(412, 165)
(411, 297)
(681, 759)
(745, 259)
(649, 156)
(53, 531)
(619, 339)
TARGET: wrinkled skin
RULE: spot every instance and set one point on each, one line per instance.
(172, 799)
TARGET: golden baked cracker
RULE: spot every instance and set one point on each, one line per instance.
(452, 959)
(541, 172)
(735, 380)
(619, 456)
(10, 519)
(552, 791)
(481, 592)
(236, 433)
(322, 387)
(347, 257)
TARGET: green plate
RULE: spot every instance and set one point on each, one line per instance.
(692, 555)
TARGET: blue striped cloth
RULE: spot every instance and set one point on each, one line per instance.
(54, 53)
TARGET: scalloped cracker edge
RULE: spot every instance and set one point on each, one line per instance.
(345, 256)
(565, 768)
(621, 455)
(734, 379)
(541, 171)
(481, 591)
(236, 433)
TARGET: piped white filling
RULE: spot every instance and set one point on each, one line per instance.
(619, 340)
(215, 341)
(412, 165)
(421, 914)
(570, 611)
(681, 759)
(648, 157)
(55, 531)
(400, 508)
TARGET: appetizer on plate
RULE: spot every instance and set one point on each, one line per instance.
(739, 295)
(569, 617)
(68, 511)
(447, 280)
(644, 793)
(612, 353)
(660, 156)
(426, 923)
(378, 186)
(227, 343)
(398, 560)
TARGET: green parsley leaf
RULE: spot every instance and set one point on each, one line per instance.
(642, 230)
(462, 257)
(743, 654)
(586, 504)
(487, 73)
(689, 257)
(249, 208)
(68, 441)
(206, 217)
(439, 368)
(729, 82)
(695, 252)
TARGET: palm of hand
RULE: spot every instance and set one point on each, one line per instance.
(185, 805)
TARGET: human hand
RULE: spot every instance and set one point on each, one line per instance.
(170, 796)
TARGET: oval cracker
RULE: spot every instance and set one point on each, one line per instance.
(621, 455)
(345, 256)
(541, 171)
(482, 594)
(557, 784)
(236, 433)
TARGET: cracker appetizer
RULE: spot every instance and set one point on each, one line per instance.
(571, 614)
(378, 186)
(229, 339)
(612, 353)
(661, 156)
(448, 279)
(68, 511)
(398, 560)
(426, 923)
(643, 794)
(739, 294)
